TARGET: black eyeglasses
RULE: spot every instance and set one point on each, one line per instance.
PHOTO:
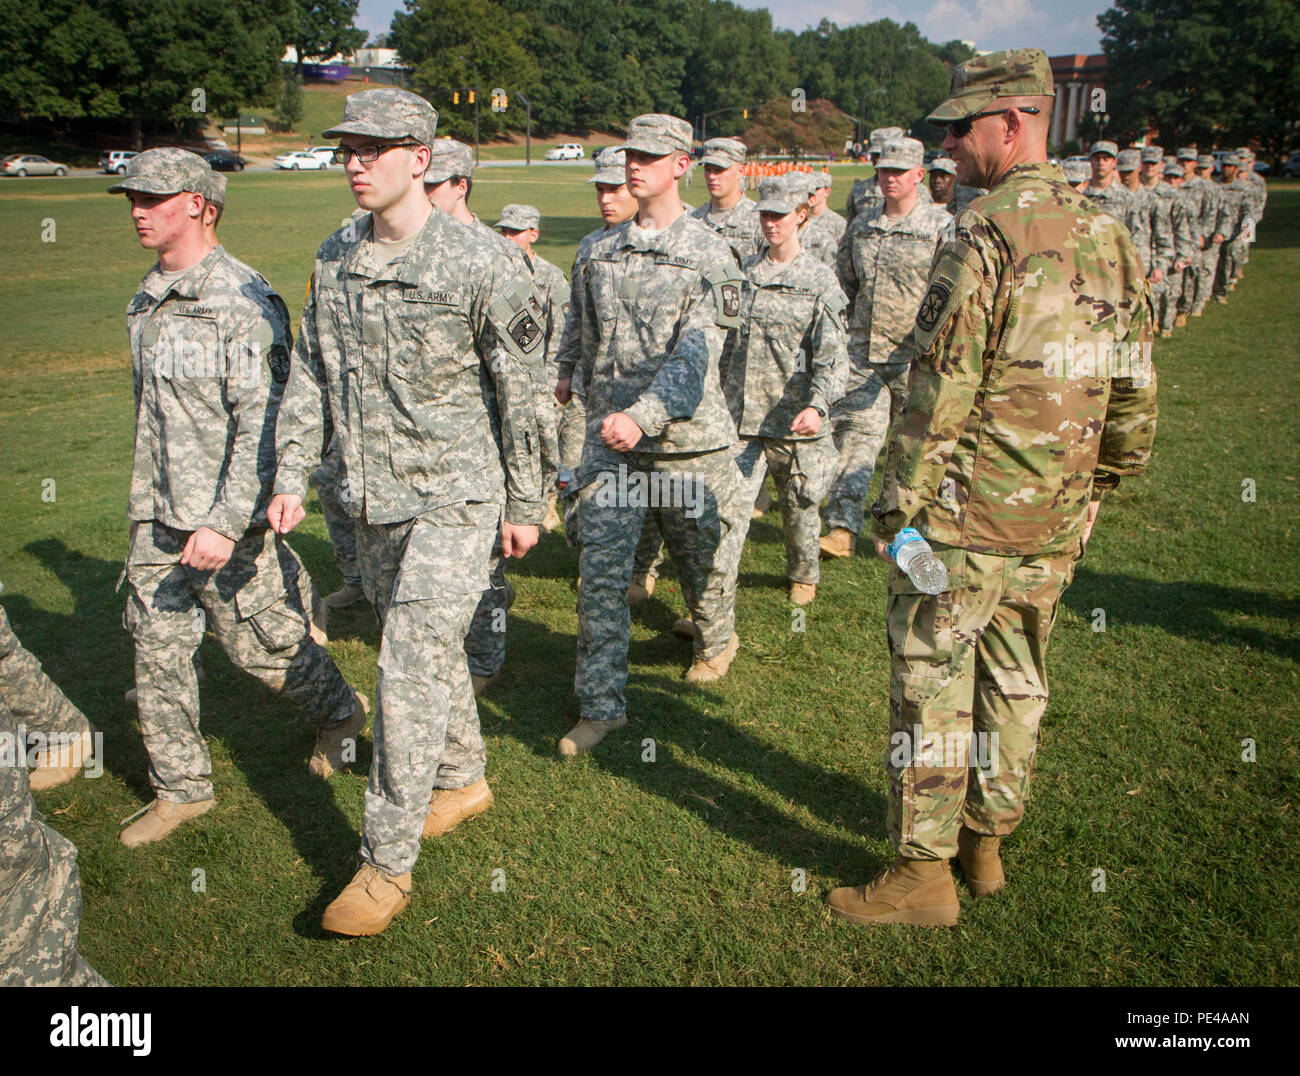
(961, 128)
(365, 154)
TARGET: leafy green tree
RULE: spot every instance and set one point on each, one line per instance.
(288, 111)
(780, 128)
(323, 28)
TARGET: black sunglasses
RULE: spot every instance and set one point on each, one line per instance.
(961, 128)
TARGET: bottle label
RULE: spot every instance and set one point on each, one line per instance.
(907, 534)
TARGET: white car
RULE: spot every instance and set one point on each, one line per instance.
(114, 161)
(298, 161)
(569, 151)
(325, 153)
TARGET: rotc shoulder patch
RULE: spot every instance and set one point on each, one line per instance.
(524, 331)
(730, 300)
(932, 305)
(278, 359)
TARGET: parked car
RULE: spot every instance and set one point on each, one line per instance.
(325, 153)
(298, 161)
(222, 160)
(113, 161)
(31, 164)
(568, 151)
(1291, 168)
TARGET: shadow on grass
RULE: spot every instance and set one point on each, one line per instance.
(1198, 611)
(263, 735)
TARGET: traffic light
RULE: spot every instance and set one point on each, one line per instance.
(471, 97)
(455, 97)
(744, 113)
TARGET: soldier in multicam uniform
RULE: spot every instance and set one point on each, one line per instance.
(521, 225)
(210, 354)
(408, 318)
(661, 293)
(882, 265)
(1234, 227)
(999, 458)
(728, 211)
(40, 887)
(1171, 222)
(788, 367)
(946, 191)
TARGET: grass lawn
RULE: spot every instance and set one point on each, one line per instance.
(613, 869)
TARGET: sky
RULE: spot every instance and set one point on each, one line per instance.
(1055, 26)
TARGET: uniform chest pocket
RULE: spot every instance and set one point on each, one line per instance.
(185, 352)
(427, 343)
(782, 320)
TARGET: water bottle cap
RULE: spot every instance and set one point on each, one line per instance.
(907, 534)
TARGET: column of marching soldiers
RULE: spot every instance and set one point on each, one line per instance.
(437, 397)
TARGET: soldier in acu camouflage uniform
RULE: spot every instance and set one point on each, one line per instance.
(1170, 223)
(1210, 256)
(1234, 227)
(1077, 174)
(882, 264)
(1147, 220)
(409, 318)
(1197, 197)
(728, 212)
(1003, 448)
(661, 293)
(1183, 213)
(946, 191)
(1256, 196)
(210, 354)
(40, 890)
(821, 233)
(865, 194)
(787, 369)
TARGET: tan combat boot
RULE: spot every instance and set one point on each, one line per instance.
(448, 807)
(803, 593)
(1180, 321)
(641, 587)
(57, 765)
(684, 628)
(1166, 334)
(980, 862)
(368, 903)
(587, 734)
(327, 756)
(762, 503)
(482, 683)
(838, 543)
(705, 672)
(915, 891)
(343, 597)
(159, 819)
(318, 621)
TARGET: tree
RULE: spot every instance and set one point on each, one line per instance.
(323, 28)
(288, 112)
(779, 128)
(1208, 72)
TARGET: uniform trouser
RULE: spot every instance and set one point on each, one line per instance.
(970, 660)
(860, 424)
(1163, 302)
(571, 434)
(1229, 264)
(803, 471)
(691, 498)
(424, 577)
(33, 698)
(341, 527)
(256, 610)
(485, 644)
(40, 886)
(548, 423)
(1205, 272)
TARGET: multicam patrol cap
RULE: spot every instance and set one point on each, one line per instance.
(448, 158)
(1128, 160)
(980, 81)
(658, 135)
(723, 152)
(1186, 153)
(944, 164)
(387, 113)
(520, 218)
(901, 153)
(1104, 147)
(877, 137)
(165, 171)
(782, 194)
(1152, 155)
(611, 167)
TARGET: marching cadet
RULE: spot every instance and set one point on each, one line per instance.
(210, 355)
(408, 316)
(1170, 221)
(1198, 196)
(1232, 229)
(821, 233)
(728, 211)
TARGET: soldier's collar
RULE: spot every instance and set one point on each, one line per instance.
(407, 267)
(187, 286)
(1034, 170)
(662, 241)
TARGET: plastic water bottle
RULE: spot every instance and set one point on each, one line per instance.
(564, 479)
(913, 555)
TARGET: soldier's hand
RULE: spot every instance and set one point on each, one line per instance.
(808, 421)
(620, 432)
(1089, 519)
(285, 512)
(207, 550)
(1157, 275)
(517, 539)
(1218, 237)
(882, 550)
(564, 389)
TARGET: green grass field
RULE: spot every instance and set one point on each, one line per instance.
(680, 870)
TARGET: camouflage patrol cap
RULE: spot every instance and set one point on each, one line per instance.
(1205, 160)
(519, 217)
(165, 171)
(611, 167)
(1128, 160)
(782, 194)
(1245, 153)
(817, 180)
(1076, 171)
(387, 113)
(944, 164)
(1152, 155)
(448, 158)
(658, 135)
(901, 153)
(1231, 159)
(1172, 169)
(877, 137)
(1104, 147)
(1186, 153)
(980, 81)
(216, 192)
(723, 152)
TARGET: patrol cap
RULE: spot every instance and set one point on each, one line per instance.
(216, 192)
(658, 135)
(165, 171)
(981, 80)
(782, 194)
(723, 152)
(1076, 171)
(877, 137)
(387, 113)
(817, 180)
(448, 158)
(611, 167)
(901, 153)
(944, 164)
(1205, 160)
(1128, 160)
(519, 217)
(1172, 169)
(1245, 152)
(1104, 147)
(1230, 158)
(1152, 155)
(1186, 153)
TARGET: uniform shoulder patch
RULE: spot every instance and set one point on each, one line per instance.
(524, 331)
(278, 360)
(932, 305)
